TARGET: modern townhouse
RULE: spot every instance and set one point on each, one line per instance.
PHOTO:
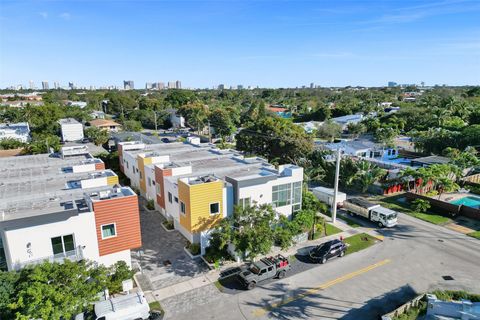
(196, 185)
(69, 206)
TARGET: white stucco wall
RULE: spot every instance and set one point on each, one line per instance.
(110, 259)
(18, 234)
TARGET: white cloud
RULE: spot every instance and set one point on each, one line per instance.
(65, 16)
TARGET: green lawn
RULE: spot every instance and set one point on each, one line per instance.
(359, 242)
(155, 305)
(349, 221)
(413, 313)
(475, 234)
(331, 229)
(394, 204)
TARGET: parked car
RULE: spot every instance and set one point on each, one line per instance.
(165, 140)
(328, 250)
(266, 268)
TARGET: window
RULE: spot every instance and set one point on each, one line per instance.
(149, 181)
(63, 244)
(281, 195)
(169, 197)
(127, 165)
(297, 196)
(141, 177)
(182, 207)
(108, 231)
(244, 202)
(176, 199)
(159, 190)
(214, 208)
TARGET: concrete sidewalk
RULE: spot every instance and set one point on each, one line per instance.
(213, 275)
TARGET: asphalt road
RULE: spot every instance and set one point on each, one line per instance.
(414, 258)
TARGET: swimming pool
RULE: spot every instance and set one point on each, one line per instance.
(469, 201)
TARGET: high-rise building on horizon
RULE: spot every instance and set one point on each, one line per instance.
(221, 86)
(128, 85)
(148, 86)
(171, 85)
(178, 84)
(239, 87)
(45, 85)
(31, 85)
(312, 85)
(392, 84)
(71, 85)
(56, 85)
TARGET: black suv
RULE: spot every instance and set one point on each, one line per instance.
(327, 250)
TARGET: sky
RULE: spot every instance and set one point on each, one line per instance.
(258, 43)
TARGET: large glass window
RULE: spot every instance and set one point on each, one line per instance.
(3, 260)
(282, 195)
(63, 244)
(244, 202)
(108, 231)
(169, 197)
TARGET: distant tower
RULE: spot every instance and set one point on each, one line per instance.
(148, 86)
(160, 85)
(56, 85)
(45, 85)
(178, 84)
(312, 85)
(31, 85)
(171, 84)
(221, 86)
(71, 85)
(128, 85)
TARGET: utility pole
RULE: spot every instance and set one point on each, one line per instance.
(209, 132)
(335, 187)
(155, 117)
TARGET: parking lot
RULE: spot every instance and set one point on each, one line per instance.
(163, 262)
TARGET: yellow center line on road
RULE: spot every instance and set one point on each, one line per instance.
(262, 311)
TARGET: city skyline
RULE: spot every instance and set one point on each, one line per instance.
(266, 44)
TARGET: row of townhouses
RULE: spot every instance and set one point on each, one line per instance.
(196, 185)
(57, 206)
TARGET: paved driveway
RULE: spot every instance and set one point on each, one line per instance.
(164, 262)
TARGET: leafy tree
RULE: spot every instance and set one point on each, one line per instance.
(41, 143)
(386, 135)
(54, 291)
(8, 285)
(356, 129)
(97, 135)
(275, 138)
(10, 143)
(329, 130)
(195, 114)
(119, 272)
(222, 121)
(132, 125)
(420, 205)
(253, 233)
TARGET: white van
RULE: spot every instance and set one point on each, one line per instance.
(132, 306)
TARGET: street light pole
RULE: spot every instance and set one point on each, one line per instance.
(335, 187)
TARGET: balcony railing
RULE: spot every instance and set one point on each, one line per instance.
(72, 255)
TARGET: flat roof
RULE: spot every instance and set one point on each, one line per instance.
(41, 184)
(68, 121)
(432, 160)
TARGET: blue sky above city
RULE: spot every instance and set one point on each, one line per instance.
(264, 43)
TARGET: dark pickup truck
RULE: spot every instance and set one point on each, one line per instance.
(264, 269)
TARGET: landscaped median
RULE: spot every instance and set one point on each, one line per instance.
(359, 242)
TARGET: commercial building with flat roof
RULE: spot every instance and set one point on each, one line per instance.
(72, 130)
(196, 185)
(64, 206)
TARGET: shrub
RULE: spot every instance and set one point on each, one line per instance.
(120, 271)
(168, 224)
(420, 205)
(150, 205)
(194, 248)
